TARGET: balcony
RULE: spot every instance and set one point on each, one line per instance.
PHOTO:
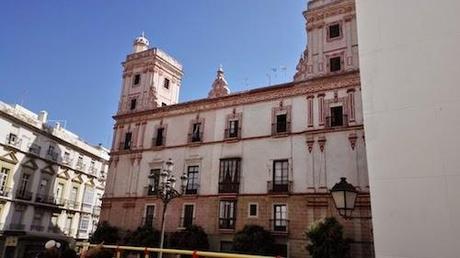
(35, 149)
(87, 207)
(233, 187)
(231, 135)
(195, 137)
(52, 155)
(38, 228)
(192, 189)
(72, 205)
(336, 121)
(279, 226)
(43, 198)
(283, 187)
(23, 195)
(16, 226)
(5, 192)
(148, 191)
(227, 223)
(125, 146)
(186, 221)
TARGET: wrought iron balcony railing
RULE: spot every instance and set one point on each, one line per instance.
(336, 121)
(233, 187)
(23, 195)
(279, 186)
(44, 198)
(279, 225)
(227, 223)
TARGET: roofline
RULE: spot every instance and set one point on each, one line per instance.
(240, 94)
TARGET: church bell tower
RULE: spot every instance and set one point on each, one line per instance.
(151, 78)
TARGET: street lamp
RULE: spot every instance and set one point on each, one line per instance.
(166, 192)
(344, 195)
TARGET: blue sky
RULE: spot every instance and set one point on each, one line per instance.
(64, 56)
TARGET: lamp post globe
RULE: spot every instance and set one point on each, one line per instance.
(344, 195)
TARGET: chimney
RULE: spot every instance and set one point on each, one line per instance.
(43, 116)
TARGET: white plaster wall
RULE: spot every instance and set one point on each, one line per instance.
(409, 52)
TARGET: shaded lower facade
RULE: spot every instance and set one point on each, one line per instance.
(287, 217)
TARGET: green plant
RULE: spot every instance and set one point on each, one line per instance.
(105, 233)
(327, 240)
(253, 239)
(191, 238)
(144, 236)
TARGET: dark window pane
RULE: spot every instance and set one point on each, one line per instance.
(137, 79)
(335, 64)
(127, 144)
(166, 83)
(336, 116)
(233, 128)
(196, 132)
(159, 140)
(133, 104)
(253, 210)
(281, 123)
(334, 31)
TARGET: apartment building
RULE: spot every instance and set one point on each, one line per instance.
(51, 182)
(266, 156)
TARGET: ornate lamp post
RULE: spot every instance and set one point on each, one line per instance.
(344, 195)
(166, 192)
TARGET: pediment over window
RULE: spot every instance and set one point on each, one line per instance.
(64, 174)
(31, 163)
(77, 179)
(49, 170)
(10, 157)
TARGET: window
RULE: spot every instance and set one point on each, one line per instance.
(337, 117)
(163, 104)
(59, 191)
(68, 225)
(233, 128)
(43, 187)
(137, 79)
(16, 219)
(73, 198)
(154, 181)
(159, 141)
(149, 215)
(12, 138)
(280, 176)
(35, 149)
(229, 175)
(80, 161)
(51, 150)
(193, 181)
(166, 83)
(196, 132)
(334, 31)
(127, 143)
(281, 123)
(53, 225)
(3, 179)
(188, 215)
(280, 217)
(66, 158)
(253, 210)
(23, 190)
(335, 64)
(88, 196)
(84, 223)
(133, 104)
(227, 214)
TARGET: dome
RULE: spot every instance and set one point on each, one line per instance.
(141, 39)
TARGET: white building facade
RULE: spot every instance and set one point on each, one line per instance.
(51, 182)
(266, 156)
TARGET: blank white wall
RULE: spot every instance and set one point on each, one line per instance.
(409, 56)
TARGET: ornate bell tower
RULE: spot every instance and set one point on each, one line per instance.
(332, 46)
(151, 78)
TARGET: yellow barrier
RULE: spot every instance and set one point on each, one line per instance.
(195, 254)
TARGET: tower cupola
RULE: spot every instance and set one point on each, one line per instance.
(141, 43)
(219, 86)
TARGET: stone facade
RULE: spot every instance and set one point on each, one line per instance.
(51, 183)
(266, 156)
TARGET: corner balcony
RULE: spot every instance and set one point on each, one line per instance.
(279, 187)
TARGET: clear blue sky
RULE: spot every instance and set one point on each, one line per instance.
(64, 56)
